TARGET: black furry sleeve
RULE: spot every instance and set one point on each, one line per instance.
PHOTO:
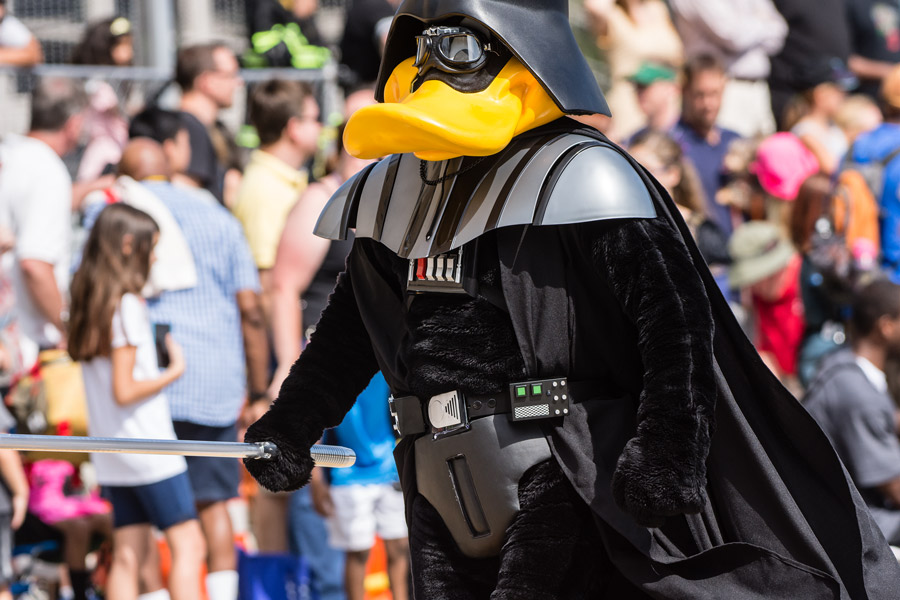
(662, 470)
(321, 387)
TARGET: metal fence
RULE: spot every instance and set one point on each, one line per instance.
(136, 87)
(59, 24)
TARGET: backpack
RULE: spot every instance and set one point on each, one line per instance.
(871, 171)
(854, 210)
(844, 243)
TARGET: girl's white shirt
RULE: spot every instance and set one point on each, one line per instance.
(148, 419)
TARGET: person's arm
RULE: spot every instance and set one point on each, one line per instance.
(305, 8)
(14, 476)
(891, 489)
(732, 31)
(597, 13)
(320, 491)
(827, 162)
(80, 189)
(862, 27)
(647, 266)
(27, 56)
(128, 391)
(43, 229)
(40, 281)
(867, 68)
(299, 257)
(256, 343)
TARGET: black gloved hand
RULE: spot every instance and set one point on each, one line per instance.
(652, 481)
(291, 467)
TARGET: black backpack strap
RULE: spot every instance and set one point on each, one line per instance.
(890, 157)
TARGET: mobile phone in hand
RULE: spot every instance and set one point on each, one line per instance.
(160, 331)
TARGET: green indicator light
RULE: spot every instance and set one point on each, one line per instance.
(536, 390)
(521, 391)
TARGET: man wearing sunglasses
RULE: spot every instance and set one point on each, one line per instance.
(18, 46)
(580, 414)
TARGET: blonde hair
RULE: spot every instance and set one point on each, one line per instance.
(688, 192)
(858, 114)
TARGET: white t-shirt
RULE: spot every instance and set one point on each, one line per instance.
(147, 419)
(875, 375)
(36, 205)
(13, 33)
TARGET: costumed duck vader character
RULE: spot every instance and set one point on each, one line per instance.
(581, 416)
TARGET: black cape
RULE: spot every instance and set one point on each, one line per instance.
(783, 521)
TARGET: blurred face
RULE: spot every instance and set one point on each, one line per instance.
(72, 131)
(771, 288)
(656, 97)
(304, 8)
(828, 98)
(2, 12)
(703, 98)
(123, 52)
(221, 83)
(305, 129)
(668, 175)
(178, 151)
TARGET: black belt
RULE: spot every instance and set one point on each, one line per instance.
(411, 414)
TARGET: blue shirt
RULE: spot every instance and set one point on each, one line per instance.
(874, 146)
(707, 160)
(367, 430)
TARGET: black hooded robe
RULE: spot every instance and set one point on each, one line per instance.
(783, 519)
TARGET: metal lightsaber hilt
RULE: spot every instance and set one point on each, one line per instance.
(322, 455)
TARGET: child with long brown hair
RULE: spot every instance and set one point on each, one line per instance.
(110, 333)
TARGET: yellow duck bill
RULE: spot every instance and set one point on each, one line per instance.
(437, 122)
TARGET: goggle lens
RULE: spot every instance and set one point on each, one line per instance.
(453, 47)
(461, 48)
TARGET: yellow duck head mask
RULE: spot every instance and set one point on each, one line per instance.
(463, 77)
(438, 122)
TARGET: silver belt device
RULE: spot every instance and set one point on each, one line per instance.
(446, 414)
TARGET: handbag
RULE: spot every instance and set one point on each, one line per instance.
(274, 577)
(49, 399)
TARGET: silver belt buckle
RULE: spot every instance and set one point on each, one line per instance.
(447, 414)
(395, 420)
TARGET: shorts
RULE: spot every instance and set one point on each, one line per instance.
(361, 511)
(6, 542)
(161, 504)
(212, 479)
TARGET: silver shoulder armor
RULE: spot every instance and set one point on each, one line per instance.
(335, 218)
(560, 179)
(597, 183)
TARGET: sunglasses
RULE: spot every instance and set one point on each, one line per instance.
(450, 49)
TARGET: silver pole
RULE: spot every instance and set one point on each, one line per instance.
(322, 455)
(159, 36)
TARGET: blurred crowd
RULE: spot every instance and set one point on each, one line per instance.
(175, 262)
(775, 125)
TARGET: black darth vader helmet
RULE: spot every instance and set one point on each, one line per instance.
(536, 31)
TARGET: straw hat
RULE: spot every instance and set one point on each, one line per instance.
(757, 250)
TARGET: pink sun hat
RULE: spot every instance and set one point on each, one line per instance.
(782, 164)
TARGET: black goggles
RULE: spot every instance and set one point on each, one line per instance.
(450, 49)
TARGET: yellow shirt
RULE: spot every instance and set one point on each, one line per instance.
(268, 191)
